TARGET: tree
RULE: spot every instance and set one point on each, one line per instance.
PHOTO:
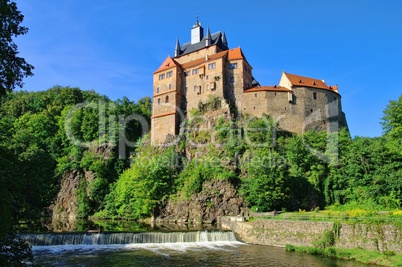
(266, 185)
(12, 68)
(392, 124)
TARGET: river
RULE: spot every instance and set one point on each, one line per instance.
(195, 248)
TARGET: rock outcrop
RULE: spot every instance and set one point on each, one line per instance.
(218, 198)
(64, 208)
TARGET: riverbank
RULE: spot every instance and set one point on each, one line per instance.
(386, 258)
(379, 244)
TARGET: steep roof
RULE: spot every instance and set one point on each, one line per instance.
(216, 39)
(297, 80)
(236, 53)
(167, 64)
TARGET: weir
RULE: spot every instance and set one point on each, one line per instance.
(53, 239)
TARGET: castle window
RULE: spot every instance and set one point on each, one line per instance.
(159, 101)
(334, 98)
(212, 65)
(170, 86)
(207, 77)
(167, 99)
(311, 110)
(195, 88)
(188, 73)
(162, 76)
(231, 79)
(169, 74)
(255, 95)
(157, 90)
(315, 96)
(233, 66)
(194, 71)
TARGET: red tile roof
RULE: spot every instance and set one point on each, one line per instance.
(298, 80)
(167, 64)
(236, 53)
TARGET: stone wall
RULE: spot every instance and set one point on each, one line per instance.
(299, 233)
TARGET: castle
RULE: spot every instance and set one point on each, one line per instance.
(206, 66)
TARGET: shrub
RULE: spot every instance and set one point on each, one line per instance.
(326, 240)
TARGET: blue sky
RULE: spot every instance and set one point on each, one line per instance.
(113, 47)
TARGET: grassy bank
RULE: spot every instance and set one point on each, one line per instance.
(386, 258)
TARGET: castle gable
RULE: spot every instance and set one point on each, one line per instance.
(236, 53)
(302, 81)
(167, 64)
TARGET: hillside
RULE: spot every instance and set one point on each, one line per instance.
(220, 164)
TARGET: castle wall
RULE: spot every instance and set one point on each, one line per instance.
(198, 87)
(274, 104)
(321, 109)
(302, 114)
(208, 51)
(161, 127)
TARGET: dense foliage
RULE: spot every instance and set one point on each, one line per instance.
(271, 169)
(44, 135)
(12, 68)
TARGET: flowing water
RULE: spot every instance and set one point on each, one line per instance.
(197, 248)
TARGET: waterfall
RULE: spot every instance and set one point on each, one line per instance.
(53, 239)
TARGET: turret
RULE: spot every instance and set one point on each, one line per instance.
(197, 33)
(224, 40)
(208, 39)
(177, 50)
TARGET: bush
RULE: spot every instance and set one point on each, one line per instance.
(14, 251)
(327, 240)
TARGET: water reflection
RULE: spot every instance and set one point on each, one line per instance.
(179, 254)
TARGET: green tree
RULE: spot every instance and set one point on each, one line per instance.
(392, 125)
(12, 68)
(142, 187)
(266, 185)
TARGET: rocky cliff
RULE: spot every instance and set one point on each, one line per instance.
(218, 198)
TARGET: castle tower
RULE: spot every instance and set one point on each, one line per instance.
(167, 99)
(197, 33)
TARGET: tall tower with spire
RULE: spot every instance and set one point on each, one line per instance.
(197, 32)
